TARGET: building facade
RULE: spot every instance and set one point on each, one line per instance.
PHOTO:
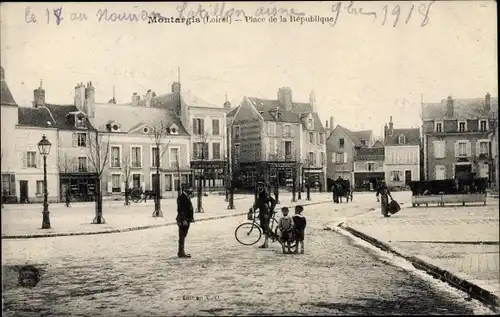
(402, 156)
(341, 148)
(278, 141)
(368, 168)
(455, 137)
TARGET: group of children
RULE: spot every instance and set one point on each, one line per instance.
(292, 229)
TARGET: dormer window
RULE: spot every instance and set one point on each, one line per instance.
(113, 126)
(80, 122)
(462, 126)
(390, 132)
(145, 130)
(438, 126)
(402, 139)
(310, 123)
(173, 129)
(483, 125)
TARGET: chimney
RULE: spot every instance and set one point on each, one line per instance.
(487, 102)
(135, 99)
(449, 107)
(39, 96)
(89, 103)
(391, 126)
(176, 87)
(79, 96)
(386, 128)
(285, 97)
(331, 123)
(227, 103)
(149, 96)
(312, 100)
(326, 124)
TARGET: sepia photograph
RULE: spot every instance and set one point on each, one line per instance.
(254, 158)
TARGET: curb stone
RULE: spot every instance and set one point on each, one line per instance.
(473, 290)
(119, 230)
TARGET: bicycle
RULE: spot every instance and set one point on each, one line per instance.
(248, 228)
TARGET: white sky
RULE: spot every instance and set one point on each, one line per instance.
(362, 72)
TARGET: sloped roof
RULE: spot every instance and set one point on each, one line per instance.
(378, 143)
(50, 116)
(232, 111)
(170, 101)
(412, 137)
(370, 154)
(357, 136)
(470, 108)
(130, 117)
(5, 94)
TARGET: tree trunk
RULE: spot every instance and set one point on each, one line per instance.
(127, 193)
(99, 219)
(157, 212)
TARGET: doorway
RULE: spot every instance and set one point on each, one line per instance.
(463, 171)
(23, 192)
(407, 177)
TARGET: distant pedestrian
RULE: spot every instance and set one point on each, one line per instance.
(185, 216)
(384, 194)
(68, 197)
(299, 223)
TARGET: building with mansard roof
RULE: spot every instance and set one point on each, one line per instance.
(278, 140)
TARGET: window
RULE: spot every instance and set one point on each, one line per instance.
(201, 150)
(168, 182)
(154, 156)
(82, 164)
(341, 143)
(462, 148)
(288, 149)
(440, 171)
(272, 147)
(115, 156)
(237, 152)
(216, 151)
(323, 159)
(79, 139)
(198, 126)
(310, 123)
(311, 158)
(321, 138)
(339, 158)
(438, 127)
(237, 133)
(80, 122)
(395, 176)
(174, 157)
(136, 180)
(402, 139)
(215, 127)
(483, 125)
(31, 159)
(370, 166)
(136, 156)
(115, 183)
(439, 149)
(39, 188)
(271, 128)
(8, 184)
(483, 147)
(311, 137)
(287, 131)
(462, 126)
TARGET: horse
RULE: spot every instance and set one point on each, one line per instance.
(341, 188)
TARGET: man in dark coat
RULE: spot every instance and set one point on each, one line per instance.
(265, 203)
(184, 218)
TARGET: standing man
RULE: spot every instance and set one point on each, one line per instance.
(184, 218)
(265, 203)
(385, 194)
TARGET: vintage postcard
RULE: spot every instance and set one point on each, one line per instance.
(249, 158)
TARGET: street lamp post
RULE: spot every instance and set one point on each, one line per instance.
(299, 196)
(44, 148)
(308, 184)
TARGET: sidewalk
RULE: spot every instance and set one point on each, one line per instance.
(463, 241)
(19, 223)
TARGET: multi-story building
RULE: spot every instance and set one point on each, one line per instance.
(278, 141)
(455, 136)
(402, 156)
(368, 167)
(206, 123)
(341, 147)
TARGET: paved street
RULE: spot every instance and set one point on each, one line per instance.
(22, 220)
(138, 273)
(463, 240)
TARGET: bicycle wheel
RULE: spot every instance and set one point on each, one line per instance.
(248, 233)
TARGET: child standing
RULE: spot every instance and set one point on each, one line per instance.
(299, 226)
(285, 224)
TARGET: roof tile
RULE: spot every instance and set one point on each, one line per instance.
(412, 137)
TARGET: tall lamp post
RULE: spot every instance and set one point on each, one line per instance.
(44, 148)
(308, 184)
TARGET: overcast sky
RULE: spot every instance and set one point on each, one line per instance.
(362, 71)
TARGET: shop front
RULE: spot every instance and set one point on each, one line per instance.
(82, 186)
(314, 177)
(174, 179)
(211, 174)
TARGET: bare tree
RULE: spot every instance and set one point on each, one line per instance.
(158, 136)
(201, 155)
(65, 165)
(127, 170)
(98, 154)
